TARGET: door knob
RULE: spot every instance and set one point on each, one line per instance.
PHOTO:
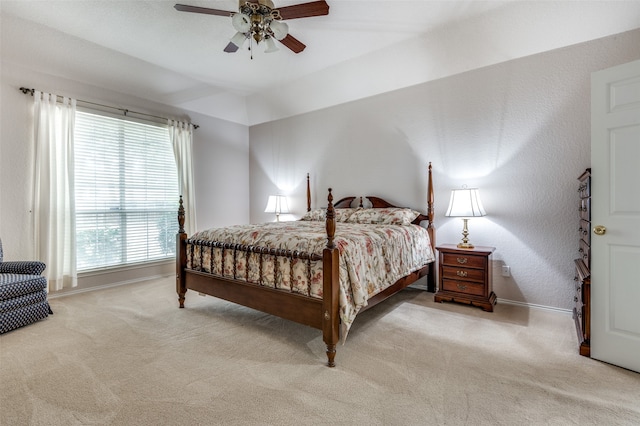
(599, 230)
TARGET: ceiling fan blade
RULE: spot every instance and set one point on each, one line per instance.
(293, 43)
(304, 10)
(231, 48)
(205, 10)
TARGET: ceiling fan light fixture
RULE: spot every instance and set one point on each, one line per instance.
(279, 29)
(271, 45)
(238, 39)
(241, 22)
(260, 20)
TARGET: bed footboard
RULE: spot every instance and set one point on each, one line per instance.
(196, 250)
(323, 314)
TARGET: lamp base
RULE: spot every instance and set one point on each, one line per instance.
(465, 245)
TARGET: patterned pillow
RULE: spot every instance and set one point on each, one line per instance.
(384, 216)
(342, 215)
(315, 215)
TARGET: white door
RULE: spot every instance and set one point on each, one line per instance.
(615, 205)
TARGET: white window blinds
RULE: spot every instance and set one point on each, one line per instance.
(126, 192)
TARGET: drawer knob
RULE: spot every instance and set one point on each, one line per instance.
(461, 273)
(461, 287)
(461, 260)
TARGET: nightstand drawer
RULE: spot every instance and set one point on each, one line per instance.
(465, 287)
(463, 260)
(463, 274)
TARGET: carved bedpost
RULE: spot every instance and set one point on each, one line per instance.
(331, 287)
(330, 221)
(181, 256)
(430, 214)
(308, 194)
(431, 280)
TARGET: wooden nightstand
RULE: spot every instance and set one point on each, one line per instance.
(465, 276)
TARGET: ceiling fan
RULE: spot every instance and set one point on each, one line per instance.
(260, 20)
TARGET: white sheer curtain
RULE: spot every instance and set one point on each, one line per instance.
(53, 203)
(181, 135)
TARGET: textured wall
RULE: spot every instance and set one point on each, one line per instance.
(519, 131)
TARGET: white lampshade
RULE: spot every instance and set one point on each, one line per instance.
(241, 22)
(271, 45)
(465, 203)
(277, 204)
(280, 29)
(238, 39)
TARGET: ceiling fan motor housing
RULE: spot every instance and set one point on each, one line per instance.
(255, 19)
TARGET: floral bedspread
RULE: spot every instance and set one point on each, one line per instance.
(372, 257)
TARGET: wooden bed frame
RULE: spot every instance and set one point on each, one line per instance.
(322, 314)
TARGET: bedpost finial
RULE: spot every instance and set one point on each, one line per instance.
(330, 221)
(181, 217)
(308, 194)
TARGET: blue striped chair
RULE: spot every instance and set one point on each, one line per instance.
(23, 293)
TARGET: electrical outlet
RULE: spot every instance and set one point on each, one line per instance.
(506, 271)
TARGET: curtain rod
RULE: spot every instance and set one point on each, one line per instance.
(124, 110)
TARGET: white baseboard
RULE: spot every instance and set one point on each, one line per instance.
(534, 306)
(58, 294)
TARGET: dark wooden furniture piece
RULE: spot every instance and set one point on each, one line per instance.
(465, 276)
(582, 298)
(322, 314)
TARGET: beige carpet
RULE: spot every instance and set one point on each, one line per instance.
(129, 356)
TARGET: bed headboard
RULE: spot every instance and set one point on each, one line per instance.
(345, 203)
(377, 202)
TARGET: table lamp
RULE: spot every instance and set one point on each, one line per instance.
(465, 203)
(277, 204)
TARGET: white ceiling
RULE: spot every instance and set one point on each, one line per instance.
(363, 47)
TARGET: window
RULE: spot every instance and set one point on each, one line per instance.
(126, 192)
